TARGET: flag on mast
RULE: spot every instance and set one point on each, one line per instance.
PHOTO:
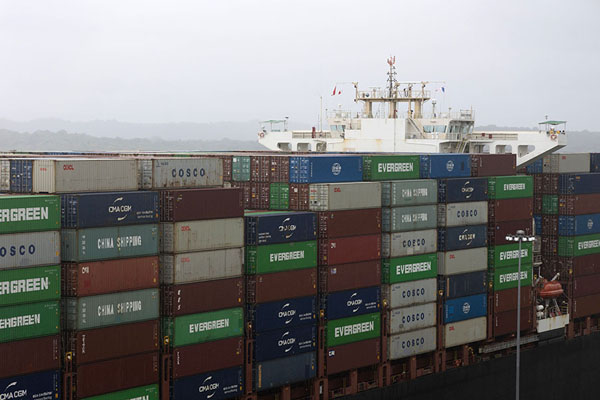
(334, 90)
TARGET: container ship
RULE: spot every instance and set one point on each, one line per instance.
(269, 276)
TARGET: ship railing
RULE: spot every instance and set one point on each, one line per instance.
(315, 135)
(493, 136)
(458, 115)
(384, 94)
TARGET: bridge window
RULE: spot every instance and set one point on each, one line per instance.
(434, 128)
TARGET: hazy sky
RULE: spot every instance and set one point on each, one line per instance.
(200, 61)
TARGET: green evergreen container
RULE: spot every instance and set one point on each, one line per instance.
(240, 168)
(279, 196)
(508, 254)
(409, 193)
(29, 320)
(281, 257)
(29, 213)
(574, 246)
(149, 392)
(510, 187)
(204, 327)
(380, 168)
(29, 285)
(411, 268)
(550, 204)
(506, 277)
(110, 242)
(353, 329)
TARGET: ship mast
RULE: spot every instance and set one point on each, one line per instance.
(392, 87)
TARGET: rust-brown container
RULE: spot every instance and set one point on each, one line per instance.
(510, 210)
(550, 225)
(579, 266)
(264, 288)
(577, 204)
(260, 196)
(299, 195)
(352, 356)
(205, 357)
(506, 322)
(586, 285)
(28, 356)
(506, 300)
(549, 183)
(99, 277)
(584, 306)
(336, 278)
(538, 184)
(197, 204)
(118, 374)
(336, 224)
(549, 246)
(260, 168)
(349, 249)
(497, 232)
(200, 297)
(538, 204)
(114, 341)
(246, 188)
(280, 169)
(493, 164)
(227, 167)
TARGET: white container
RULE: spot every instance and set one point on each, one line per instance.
(401, 244)
(461, 214)
(4, 175)
(562, 163)
(463, 332)
(406, 319)
(412, 343)
(84, 175)
(201, 266)
(405, 294)
(187, 172)
(29, 249)
(344, 196)
(462, 261)
(212, 234)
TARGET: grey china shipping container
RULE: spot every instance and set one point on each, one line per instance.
(462, 261)
(29, 249)
(412, 343)
(405, 294)
(201, 266)
(411, 218)
(409, 193)
(406, 319)
(344, 196)
(211, 234)
(459, 214)
(408, 243)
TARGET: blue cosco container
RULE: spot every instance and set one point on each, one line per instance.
(462, 189)
(464, 308)
(352, 302)
(462, 285)
(91, 210)
(573, 225)
(579, 183)
(445, 165)
(215, 385)
(280, 227)
(462, 237)
(285, 342)
(537, 167)
(319, 169)
(21, 176)
(282, 314)
(283, 371)
(538, 224)
(39, 386)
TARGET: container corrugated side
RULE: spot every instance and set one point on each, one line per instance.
(460, 214)
(388, 167)
(463, 332)
(406, 319)
(493, 164)
(204, 327)
(186, 173)
(462, 237)
(264, 288)
(283, 371)
(216, 294)
(279, 227)
(351, 302)
(457, 190)
(201, 266)
(148, 392)
(21, 176)
(336, 224)
(84, 175)
(464, 308)
(349, 249)
(411, 218)
(508, 277)
(412, 343)
(4, 175)
(29, 249)
(579, 183)
(240, 168)
(409, 193)
(28, 285)
(211, 234)
(353, 329)
(43, 353)
(284, 313)
(401, 244)
(31, 320)
(196, 204)
(353, 355)
(333, 278)
(111, 309)
(564, 163)
(411, 268)
(405, 294)
(508, 254)
(279, 196)
(39, 386)
(325, 168)
(461, 285)
(222, 384)
(280, 257)
(445, 165)
(284, 342)
(462, 261)
(572, 225)
(205, 357)
(510, 187)
(29, 213)
(344, 196)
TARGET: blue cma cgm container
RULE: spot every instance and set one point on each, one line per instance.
(285, 342)
(352, 302)
(462, 285)
(91, 210)
(39, 386)
(445, 165)
(21, 176)
(573, 225)
(283, 371)
(280, 227)
(321, 169)
(462, 189)
(282, 314)
(464, 308)
(462, 237)
(215, 385)
(579, 183)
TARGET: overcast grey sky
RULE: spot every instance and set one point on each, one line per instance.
(234, 60)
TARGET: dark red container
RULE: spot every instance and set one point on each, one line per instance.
(227, 167)
(200, 297)
(586, 285)
(349, 249)
(28, 356)
(336, 224)
(349, 276)
(246, 188)
(497, 232)
(280, 169)
(352, 356)
(97, 277)
(114, 341)
(549, 246)
(197, 204)
(260, 168)
(281, 285)
(299, 194)
(118, 374)
(550, 183)
(493, 164)
(260, 196)
(510, 210)
(579, 266)
(538, 184)
(549, 267)
(584, 306)
(506, 322)
(506, 300)
(205, 357)
(549, 225)
(538, 204)
(578, 204)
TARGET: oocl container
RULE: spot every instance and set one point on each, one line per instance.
(322, 168)
(409, 193)
(191, 236)
(379, 168)
(413, 218)
(457, 190)
(349, 276)
(204, 327)
(284, 313)
(29, 213)
(412, 343)
(464, 308)
(280, 227)
(201, 266)
(29, 285)
(40, 386)
(336, 224)
(353, 355)
(285, 342)
(31, 355)
(217, 294)
(206, 357)
(349, 249)
(214, 385)
(462, 237)
(445, 165)
(569, 246)
(29, 320)
(353, 329)
(405, 294)
(263, 288)
(411, 268)
(578, 225)
(283, 371)
(281, 257)
(406, 319)
(462, 261)
(29, 249)
(198, 204)
(564, 163)
(468, 331)
(344, 196)
(510, 187)
(351, 302)
(408, 243)
(186, 172)
(459, 214)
